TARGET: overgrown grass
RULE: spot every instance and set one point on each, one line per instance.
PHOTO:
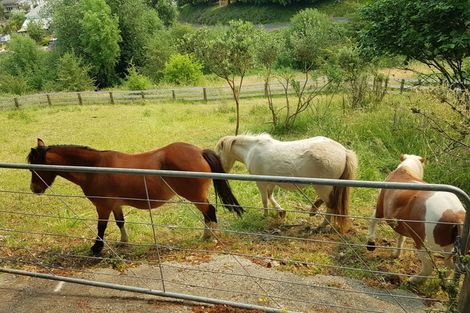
(378, 136)
(262, 14)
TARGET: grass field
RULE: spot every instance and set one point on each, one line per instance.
(262, 14)
(378, 136)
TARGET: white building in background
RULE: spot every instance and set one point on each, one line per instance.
(10, 5)
(35, 15)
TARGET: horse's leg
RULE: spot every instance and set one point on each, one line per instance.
(372, 230)
(119, 218)
(426, 266)
(323, 193)
(210, 219)
(316, 206)
(103, 216)
(264, 197)
(280, 210)
(400, 241)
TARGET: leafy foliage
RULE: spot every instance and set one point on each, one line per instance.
(72, 74)
(87, 28)
(433, 32)
(136, 81)
(167, 11)
(228, 53)
(157, 52)
(100, 48)
(25, 61)
(182, 69)
(138, 23)
(36, 31)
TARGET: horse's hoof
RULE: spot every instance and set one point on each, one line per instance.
(282, 213)
(370, 246)
(97, 248)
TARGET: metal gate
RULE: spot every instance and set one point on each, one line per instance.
(267, 293)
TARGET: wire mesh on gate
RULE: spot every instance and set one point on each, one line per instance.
(283, 266)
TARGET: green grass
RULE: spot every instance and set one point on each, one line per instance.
(262, 14)
(377, 135)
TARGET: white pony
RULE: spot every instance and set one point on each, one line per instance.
(434, 216)
(318, 157)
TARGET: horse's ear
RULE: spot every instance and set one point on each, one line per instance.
(402, 157)
(41, 143)
(422, 160)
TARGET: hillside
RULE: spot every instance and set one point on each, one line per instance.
(262, 14)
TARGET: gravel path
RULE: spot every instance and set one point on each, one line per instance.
(20, 294)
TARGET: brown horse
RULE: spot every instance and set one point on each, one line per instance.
(109, 192)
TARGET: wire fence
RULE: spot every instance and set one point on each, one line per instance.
(180, 94)
(48, 237)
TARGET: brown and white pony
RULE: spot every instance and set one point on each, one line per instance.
(431, 218)
(109, 192)
(318, 157)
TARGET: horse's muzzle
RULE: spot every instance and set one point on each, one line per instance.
(37, 189)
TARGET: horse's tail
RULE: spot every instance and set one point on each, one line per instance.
(339, 197)
(221, 186)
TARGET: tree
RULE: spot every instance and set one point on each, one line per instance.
(138, 24)
(3, 13)
(310, 38)
(87, 28)
(157, 52)
(25, 61)
(36, 31)
(229, 54)
(434, 32)
(72, 74)
(268, 51)
(99, 39)
(167, 11)
(16, 20)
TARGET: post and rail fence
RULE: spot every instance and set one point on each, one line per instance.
(263, 283)
(181, 94)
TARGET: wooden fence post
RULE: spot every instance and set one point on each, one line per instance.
(173, 94)
(49, 102)
(111, 98)
(80, 102)
(204, 94)
(142, 94)
(17, 104)
(402, 85)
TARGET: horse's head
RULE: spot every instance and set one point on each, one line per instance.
(414, 163)
(40, 180)
(224, 150)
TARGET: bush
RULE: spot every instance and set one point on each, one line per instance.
(183, 69)
(72, 74)
(13, 84)
(36, 31)
(156, 54)
(136, 81)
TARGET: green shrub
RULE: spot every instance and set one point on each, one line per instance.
(72, 74)
(183, 69)
(13, 84)
(136, 81)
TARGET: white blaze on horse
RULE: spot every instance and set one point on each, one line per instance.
(318, 157)
(431, 218)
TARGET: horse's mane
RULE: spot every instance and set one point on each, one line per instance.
(225, 144)
(39, 153)
(249, 137)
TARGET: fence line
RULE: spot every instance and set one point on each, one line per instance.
(184, 94)
(465, 198)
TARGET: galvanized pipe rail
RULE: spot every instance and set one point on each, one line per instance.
(464, 301)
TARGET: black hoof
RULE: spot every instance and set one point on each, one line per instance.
(370, 245)
(97, 248)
